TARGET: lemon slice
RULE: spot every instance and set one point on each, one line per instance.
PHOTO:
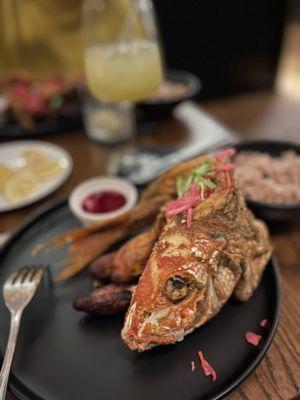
(46, 170)
(21, 186)
(40, 165)
(5, 175)
(34, 157)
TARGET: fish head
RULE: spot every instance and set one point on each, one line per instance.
(170, 297)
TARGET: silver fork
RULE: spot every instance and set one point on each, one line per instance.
(18, 290)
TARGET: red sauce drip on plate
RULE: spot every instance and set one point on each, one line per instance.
(103, 202)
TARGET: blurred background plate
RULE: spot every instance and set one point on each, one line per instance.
(268, 211)
(161, 106)
(63, 355)
(15, 131)
(11, 152)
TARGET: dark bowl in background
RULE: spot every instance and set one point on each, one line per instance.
(159, 110)
(269, 211)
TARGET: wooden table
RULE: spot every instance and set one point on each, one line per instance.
(258, 115)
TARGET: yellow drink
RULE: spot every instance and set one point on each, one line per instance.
(129, 71)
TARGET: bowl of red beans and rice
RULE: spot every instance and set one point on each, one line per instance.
(268, 173)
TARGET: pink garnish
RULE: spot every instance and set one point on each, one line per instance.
(190, 199)
(207, 368)
(226, 167)
(224, 154)
(253, 338)
(193, 366)
(264, 323)
(189, 218)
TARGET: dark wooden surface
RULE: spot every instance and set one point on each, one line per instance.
(259, 115)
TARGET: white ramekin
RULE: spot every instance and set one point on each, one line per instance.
(97, 184)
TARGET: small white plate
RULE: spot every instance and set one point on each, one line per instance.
(10, 154)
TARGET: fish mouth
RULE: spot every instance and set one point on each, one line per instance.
(145, 329)
(154, 330)
(148, 341)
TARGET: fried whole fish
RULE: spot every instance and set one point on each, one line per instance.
(204, 254)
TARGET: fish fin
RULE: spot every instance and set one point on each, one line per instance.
(226, 277)
(253, 267)
(88, 249)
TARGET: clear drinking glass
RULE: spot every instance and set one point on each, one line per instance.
(106, 122)
(122, 53)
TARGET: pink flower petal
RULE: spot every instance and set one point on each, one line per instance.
(253, 338)
(207, 368)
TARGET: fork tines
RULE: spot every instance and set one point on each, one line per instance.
(26, 275)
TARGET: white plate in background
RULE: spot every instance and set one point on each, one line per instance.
(11, 152)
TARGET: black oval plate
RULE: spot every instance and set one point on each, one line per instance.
(63, 355)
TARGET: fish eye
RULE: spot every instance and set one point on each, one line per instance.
(176, 288)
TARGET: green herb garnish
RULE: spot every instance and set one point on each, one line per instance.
(180, 185)
(202, 169)
(196, 176)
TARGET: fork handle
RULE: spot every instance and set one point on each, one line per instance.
(10, 349)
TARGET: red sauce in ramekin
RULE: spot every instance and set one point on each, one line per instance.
(103, 202)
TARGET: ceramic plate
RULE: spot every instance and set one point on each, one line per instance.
(10, 155)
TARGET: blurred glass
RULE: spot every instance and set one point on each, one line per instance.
(107, 122)
(122, 53)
